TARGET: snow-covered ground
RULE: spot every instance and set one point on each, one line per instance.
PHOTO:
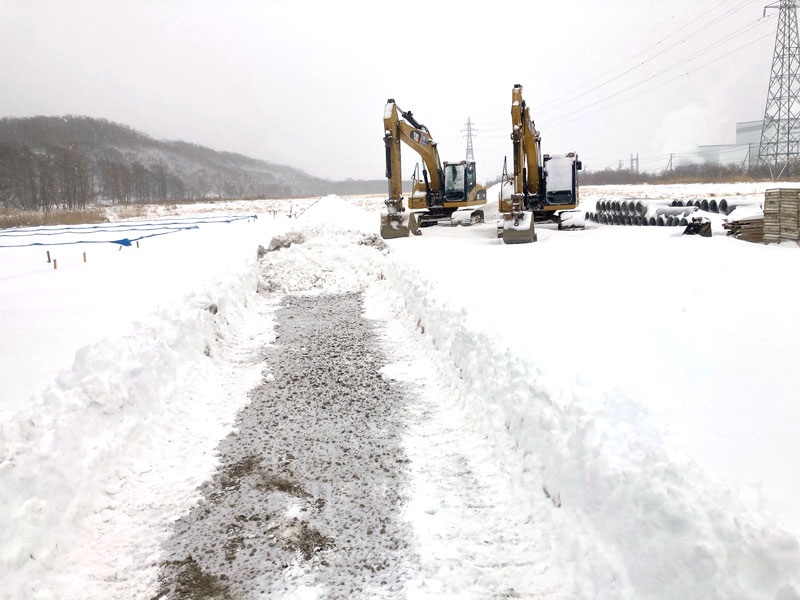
(608, 413)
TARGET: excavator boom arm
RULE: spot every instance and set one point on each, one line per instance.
(418, 138)
(526, 146)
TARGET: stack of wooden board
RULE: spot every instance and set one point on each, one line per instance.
(748, 229)
(781, 216)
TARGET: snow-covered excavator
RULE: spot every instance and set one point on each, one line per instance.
(541, 188)
(443, 189)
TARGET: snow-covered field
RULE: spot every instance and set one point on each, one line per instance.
(624, 399)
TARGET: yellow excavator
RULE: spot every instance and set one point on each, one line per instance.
(443, 189)
(542, 188)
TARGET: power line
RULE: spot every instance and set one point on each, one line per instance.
(571, 116)
(701, 29)
(673, 155)
(706, 49)
(689, 59)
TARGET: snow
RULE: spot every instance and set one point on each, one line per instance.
(166, 341)
(606, 413)
(559, 173)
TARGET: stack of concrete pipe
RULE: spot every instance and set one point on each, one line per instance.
(723, 206)
(660, 213)
(641, 212)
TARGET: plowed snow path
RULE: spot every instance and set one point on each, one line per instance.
(306, 500)
(473, 539)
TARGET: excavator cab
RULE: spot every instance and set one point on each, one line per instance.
(561, 190)
(561, 181)
(461, 188)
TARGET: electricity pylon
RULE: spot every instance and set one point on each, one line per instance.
(780, 134)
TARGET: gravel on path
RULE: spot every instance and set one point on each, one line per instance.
(307, 496)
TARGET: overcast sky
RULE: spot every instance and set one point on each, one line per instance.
(304, 83)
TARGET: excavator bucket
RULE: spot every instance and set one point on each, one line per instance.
(521, 232)
(399, 225)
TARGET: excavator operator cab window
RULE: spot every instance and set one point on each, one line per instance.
(470, 177)
(454, 179)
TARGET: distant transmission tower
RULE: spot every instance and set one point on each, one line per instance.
(469, 131)
(780, 134)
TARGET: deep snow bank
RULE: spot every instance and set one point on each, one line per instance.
(93, 470)
(622, 519)
(633, 523)
(332, 248)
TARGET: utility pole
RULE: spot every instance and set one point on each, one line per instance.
(469, 131)
(780, 131)
(669, 164)
(747, 160)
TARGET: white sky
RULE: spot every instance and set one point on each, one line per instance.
(304, 83)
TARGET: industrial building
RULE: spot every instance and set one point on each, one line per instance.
(744, 152)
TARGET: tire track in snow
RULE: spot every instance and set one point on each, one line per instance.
(470, 532)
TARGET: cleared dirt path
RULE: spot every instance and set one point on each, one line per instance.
(307, 497)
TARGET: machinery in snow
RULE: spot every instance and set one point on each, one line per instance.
(541, 188)
(443, 189)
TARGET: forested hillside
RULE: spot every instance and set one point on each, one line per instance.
(70, 162)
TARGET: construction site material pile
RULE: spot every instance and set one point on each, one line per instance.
(641, 212)
(781, 216)
(661, 212)
(748, 229)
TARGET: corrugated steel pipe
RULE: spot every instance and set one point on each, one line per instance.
(652, 222)
(713, 206)
(660, 221)
(704, 205)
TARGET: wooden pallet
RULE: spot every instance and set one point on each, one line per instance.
(781, 216)
(749, 230)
